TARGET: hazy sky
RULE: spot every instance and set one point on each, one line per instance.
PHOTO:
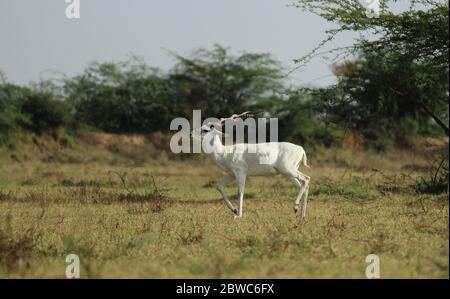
(36, 38)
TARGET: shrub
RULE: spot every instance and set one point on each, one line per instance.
(44, 112)
(437, 180)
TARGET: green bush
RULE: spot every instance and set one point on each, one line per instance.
(44, 113)
(437, 181)
(11, 98)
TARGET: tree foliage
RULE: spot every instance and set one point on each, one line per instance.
(221, 84)
(122, 97)
(402, 68)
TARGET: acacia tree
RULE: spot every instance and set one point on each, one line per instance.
(219, 83)
(415, 40)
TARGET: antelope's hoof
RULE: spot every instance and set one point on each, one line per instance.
(235, 211)
(237, 217)
(295, 209)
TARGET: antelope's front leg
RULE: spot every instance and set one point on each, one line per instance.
(240, 177)
(220, 187)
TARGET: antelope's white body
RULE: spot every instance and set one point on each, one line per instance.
(242, 160)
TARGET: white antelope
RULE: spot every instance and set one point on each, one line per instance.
(242, 160)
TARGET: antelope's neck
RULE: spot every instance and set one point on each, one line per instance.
(218, 154)
(217, 144)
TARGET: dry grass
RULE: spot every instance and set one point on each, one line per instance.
(163, 218)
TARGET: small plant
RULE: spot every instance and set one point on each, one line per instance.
(15, 250)
(192, 234)
(437, 180)
(5, 195)
(156, 197)
(397, 183)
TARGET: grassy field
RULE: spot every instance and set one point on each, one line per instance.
(129, 211)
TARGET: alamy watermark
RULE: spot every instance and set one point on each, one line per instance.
(73, 9)
(206, 136)
(373, 269)
(373, 8)
(73, 269)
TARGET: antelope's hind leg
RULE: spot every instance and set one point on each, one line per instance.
(305, 200)
(296, 203)
(305, 181)
(302, 181)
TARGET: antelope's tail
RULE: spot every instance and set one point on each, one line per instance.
(304, 161)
